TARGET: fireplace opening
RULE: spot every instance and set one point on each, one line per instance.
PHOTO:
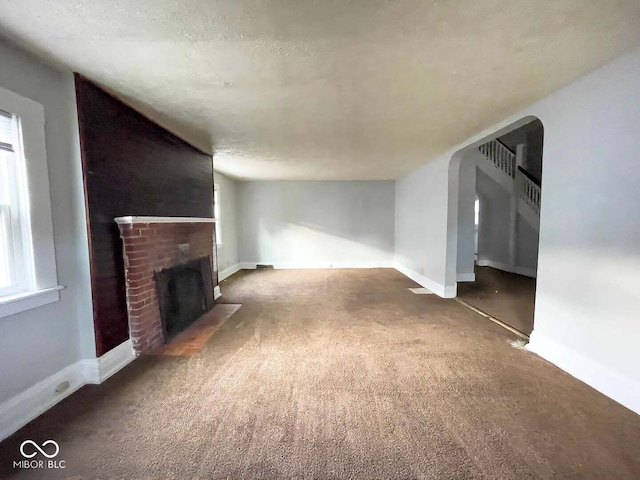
(185, 293)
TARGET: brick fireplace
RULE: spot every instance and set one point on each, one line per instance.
(151, 245)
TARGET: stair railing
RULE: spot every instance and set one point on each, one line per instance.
(528, 190)
(501, 156)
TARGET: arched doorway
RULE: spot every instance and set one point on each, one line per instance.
(494, 223)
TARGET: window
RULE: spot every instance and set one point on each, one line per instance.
(28, 276)
(216, 213)
(476, 209)
(16, 272)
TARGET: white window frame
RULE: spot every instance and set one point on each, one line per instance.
(37, 283)
(15, 218)
(217, 212)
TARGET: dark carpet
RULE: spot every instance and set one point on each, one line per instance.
(340, 374)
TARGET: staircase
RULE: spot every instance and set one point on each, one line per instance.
(502, 165)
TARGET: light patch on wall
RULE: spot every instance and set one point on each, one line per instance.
(290, 245)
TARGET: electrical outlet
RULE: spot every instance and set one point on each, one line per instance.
(62, 387)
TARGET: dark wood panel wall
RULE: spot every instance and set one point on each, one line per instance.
(131, 166)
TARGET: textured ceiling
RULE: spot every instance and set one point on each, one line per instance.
(312, 89)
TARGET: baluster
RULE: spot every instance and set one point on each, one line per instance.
(505, 165)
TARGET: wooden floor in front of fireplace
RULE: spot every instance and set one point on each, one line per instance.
(191, 341)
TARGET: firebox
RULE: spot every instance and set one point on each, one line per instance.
(184, 295)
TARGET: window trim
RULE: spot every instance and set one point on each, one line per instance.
(44, 286)
(7, 224)
(18, 221)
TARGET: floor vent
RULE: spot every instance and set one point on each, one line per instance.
(264, 267)
(421, 291)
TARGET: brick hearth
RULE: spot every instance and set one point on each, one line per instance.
(151, 244)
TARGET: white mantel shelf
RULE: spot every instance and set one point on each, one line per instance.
(134, 219)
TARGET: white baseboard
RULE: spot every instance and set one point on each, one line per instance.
(466, 277)
(24, 407)
(34, 401)
(227, 272)
(316, 265)
(437, 288)
(97, 370)
(248, 265)
(216, 292)
(525, 271)
(612, 384)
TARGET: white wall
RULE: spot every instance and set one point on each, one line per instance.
(39, 342)
(466, 222)
(526, 246)
(421, 224)
(494, 228)
(317, 224)
(586, 318)
(228, 251)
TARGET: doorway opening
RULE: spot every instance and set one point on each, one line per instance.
(498, 222)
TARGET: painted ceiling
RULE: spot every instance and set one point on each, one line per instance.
(313, 89)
